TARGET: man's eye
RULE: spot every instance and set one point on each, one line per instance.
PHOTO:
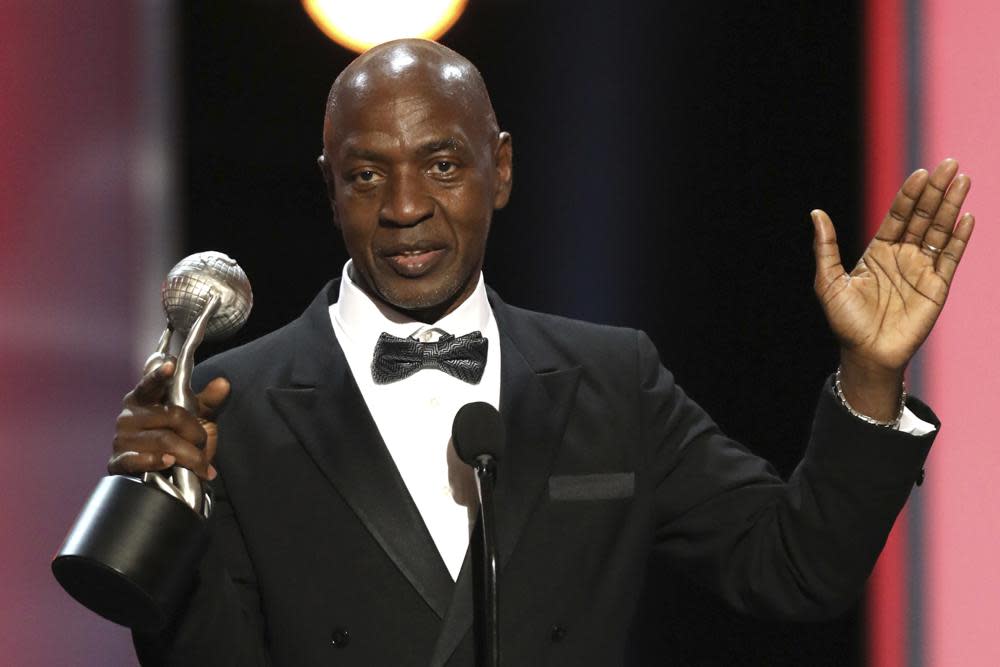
(365, 177)
(444, 167)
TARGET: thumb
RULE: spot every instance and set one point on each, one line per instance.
(828, 266)
(212, 397)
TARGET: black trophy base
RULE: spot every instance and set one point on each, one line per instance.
(132, 554)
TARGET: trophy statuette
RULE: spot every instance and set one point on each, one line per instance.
(132, 553)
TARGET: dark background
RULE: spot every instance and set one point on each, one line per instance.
(666, 158)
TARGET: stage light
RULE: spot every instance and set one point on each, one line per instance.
(361, 25)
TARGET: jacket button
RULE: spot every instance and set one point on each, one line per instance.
(558, 633)
(340, 637)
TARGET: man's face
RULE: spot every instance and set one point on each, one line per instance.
(414, 175)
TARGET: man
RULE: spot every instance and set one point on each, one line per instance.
(339, 534)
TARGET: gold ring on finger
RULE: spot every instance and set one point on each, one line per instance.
(928, 246)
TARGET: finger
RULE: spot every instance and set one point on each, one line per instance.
(208, 451)
(939, 232)
(152, 387)
(898, 217)
(136, 463)
(828, 266)
(161, 417)
(951, 255)
(213, 396)
(164, 442)
(929, 201)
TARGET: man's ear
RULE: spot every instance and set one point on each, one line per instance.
(504, 161)
(331, 192)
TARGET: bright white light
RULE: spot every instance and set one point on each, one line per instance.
(361, 24)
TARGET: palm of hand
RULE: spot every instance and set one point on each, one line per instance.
(885, 308)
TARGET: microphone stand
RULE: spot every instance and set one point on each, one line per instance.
(484, 569)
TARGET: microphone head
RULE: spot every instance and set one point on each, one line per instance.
(478, 429)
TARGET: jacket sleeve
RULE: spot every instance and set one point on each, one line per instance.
(798, 550)
(222, 623)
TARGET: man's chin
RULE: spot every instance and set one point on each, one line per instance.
(426, 303)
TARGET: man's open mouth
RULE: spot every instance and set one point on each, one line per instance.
(413, 262)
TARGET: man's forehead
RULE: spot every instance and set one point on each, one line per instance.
(400, 102)
(384, 146)
(416, 93)
(407, 119)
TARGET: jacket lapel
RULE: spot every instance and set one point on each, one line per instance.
(325, 410)
(535, 405)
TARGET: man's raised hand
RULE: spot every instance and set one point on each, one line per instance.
(883, 310)
(152, 436)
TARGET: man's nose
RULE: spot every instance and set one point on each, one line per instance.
(406, 201)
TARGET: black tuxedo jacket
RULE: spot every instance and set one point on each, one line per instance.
(320, 557)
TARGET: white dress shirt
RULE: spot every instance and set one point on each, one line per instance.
(415, 415)
(913, 425)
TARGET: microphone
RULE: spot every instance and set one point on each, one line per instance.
(478, 431)
(479, 438)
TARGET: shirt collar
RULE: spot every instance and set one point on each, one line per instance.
(363, 319)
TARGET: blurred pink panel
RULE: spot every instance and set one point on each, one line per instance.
(884, 141)
(67, 261)
(961, 65)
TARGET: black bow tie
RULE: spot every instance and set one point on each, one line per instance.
(397, 358)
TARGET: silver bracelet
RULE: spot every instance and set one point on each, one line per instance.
(865, 418)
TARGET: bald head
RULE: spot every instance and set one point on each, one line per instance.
(403, 66)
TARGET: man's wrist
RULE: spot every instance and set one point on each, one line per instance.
(892, 423)
(871, 391)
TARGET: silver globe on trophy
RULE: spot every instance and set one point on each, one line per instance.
(132, 554)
